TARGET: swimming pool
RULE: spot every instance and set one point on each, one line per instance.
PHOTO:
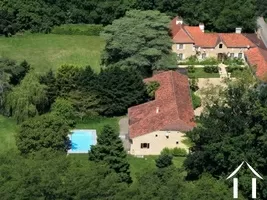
(82, 140)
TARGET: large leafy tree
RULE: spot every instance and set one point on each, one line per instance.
(11, 74)
(119, 89)
(52, 175)
(109, 149)
(141, 40)
(27, 99)
(47, 131)
(232, 130)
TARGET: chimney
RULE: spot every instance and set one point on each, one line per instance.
(157, 110)
(179, 20)
(202, 27)
(238, 30)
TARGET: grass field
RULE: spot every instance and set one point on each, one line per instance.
(200, 73)
(141, 165)
(99, 123)
(45, 51)
(8, 130)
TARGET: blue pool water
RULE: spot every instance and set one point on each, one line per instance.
(82, 140)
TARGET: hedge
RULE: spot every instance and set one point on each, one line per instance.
(78, 29)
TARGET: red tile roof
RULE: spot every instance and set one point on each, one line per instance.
(193, 34)
(202, 39)
(235, 40)
(257, 58)
(173, 101)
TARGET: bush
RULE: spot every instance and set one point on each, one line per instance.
(234, 67)
(191, 69)
(151, 88)
(78, 29)
(166, 151)
(195, 100)
(209, 61)
(231, 61)
(193, 84)
(211, 69)
(179, 152)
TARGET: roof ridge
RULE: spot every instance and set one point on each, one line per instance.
(175, 96)
(187, 32)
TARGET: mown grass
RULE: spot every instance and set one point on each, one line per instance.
(200, 73)
(45, 51)
(8, 129)
(140, 166)
(98, 123)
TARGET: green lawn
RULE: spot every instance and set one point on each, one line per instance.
(44, 51)
(141, 165)
(8, 130)
(98, 123)
(200, 73)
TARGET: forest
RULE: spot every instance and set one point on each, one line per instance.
(45, 106)
(42, 15)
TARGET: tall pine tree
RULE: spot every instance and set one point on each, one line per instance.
(109, 149)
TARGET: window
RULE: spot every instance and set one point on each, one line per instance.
(240, 55)
(180, 56)
(220, 46)
(167, 136)
(156, 135)
(180, 46)
(204, 55)
(177, 142)
(144, 145)
(232, 55)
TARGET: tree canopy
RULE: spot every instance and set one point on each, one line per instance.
(140, 40)
(232, 130)
(109, 149)
(47, 131)
(27, 99)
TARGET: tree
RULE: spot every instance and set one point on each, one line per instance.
(151, 47)
(63, 108)
(27, 99)
(109, 149)
(151, 88)
(119, 89)
(50, 81)
(67, 79)
(232, 130)
(52, 175)
(43, 132)
(164, 160)
(85, 104)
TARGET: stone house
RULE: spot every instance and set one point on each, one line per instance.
(163, 121)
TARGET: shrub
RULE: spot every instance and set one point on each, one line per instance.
(78, 29)
(234, 67)
(166, 151)
(193, 84)
(211, 69)
(195, 100)
(179, 152)
(209, 61)
(191, 69)
(231, 61)
(151, 88)
(164, 160)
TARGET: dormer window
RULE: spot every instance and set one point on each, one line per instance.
(220, 46)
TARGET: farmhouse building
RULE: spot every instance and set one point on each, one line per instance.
(163, 121)
(192, 40)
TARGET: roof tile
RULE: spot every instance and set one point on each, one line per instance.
(173, 101)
